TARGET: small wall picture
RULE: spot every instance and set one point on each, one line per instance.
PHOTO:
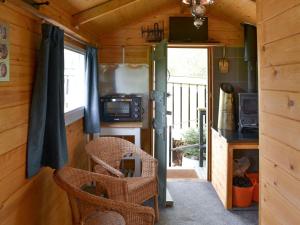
(4, 52)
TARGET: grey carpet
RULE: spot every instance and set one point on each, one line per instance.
(196, 203)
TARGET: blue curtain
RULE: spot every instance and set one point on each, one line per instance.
(47, 144)
(91, 112)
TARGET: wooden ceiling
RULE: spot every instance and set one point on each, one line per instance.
(109, 15)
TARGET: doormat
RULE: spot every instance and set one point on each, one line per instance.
(182, 174)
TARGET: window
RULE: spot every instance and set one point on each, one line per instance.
(74, 79)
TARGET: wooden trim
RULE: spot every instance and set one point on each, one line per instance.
(70, 32)
(74, 115)
(122, 125)
(240, 146)
(100, 11)
(195, 45)
(151, 107)
(210, 112)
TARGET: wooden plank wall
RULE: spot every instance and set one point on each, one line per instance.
(136, 47)
(138, 51)
(38, 200)
(279, 53)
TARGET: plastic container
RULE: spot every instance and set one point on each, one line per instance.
(255, 181)
(242, 196)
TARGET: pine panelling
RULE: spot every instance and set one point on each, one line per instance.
(285, 130)
(282, 26)
(39, 202)
(285, 157)
(22, 56)
(14, 96)
(279, 111)
(13, 116)
(284, 211)
(36, 201)
(12, 160)
(21, 76)
(136, 48)
(12, 182)
(282, 182)
(13, 138)
(285, 104)
(281, 78)
(272, 8)
(284, 51)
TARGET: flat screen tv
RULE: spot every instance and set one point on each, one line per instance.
(182, 29)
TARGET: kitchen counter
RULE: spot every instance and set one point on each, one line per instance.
(224, 144)
(236, 136)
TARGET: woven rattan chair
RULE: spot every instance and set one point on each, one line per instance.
(91, 209)
(106, 153)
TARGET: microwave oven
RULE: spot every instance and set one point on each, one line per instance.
(121, 108)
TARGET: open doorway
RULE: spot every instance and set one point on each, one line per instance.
(187, 123)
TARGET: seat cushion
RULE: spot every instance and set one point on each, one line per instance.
(105, 218)
(141, 189)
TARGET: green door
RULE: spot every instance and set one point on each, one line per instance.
(160, 120)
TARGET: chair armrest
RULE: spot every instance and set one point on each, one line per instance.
(109, 168)
(150, 166)
(116, 188)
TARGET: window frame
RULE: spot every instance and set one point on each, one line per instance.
(77, 113)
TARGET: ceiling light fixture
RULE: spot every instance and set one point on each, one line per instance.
(198, 10)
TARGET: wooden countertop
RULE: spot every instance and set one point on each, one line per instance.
(122, 125)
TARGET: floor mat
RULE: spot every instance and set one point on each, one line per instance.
(181, 174)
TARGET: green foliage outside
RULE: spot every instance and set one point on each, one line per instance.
(191, 137)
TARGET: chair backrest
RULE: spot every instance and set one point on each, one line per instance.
(110, 149)
(73, 181)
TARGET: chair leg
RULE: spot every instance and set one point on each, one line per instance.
(156, 209)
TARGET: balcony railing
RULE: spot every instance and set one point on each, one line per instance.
(184, 103)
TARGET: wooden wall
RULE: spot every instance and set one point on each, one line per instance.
(137, 49)
(279, 45)
(36, 201)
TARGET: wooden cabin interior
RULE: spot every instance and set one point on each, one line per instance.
(46, 125)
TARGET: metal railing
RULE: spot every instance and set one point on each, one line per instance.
(195, 100)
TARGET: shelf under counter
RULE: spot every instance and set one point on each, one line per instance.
(122, 124)
(123, 129)
(224, 143)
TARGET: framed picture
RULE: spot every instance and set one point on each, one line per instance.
(4, 52)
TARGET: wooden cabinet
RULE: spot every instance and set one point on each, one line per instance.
(222, 162)
(219, 166)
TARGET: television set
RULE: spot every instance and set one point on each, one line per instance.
(248, 111)
(182, 29)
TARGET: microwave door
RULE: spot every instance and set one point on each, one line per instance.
(115, 109)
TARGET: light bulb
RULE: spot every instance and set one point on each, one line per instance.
(186, 2)
(198, 22)
(198, 10)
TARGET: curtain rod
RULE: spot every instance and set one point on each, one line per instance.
(68, 31)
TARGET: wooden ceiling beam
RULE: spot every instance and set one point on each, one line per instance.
(99, 11)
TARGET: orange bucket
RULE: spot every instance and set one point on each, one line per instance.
(242, 196)
(255, 181)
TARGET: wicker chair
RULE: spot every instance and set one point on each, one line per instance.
(106, 153)
(91, 209)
